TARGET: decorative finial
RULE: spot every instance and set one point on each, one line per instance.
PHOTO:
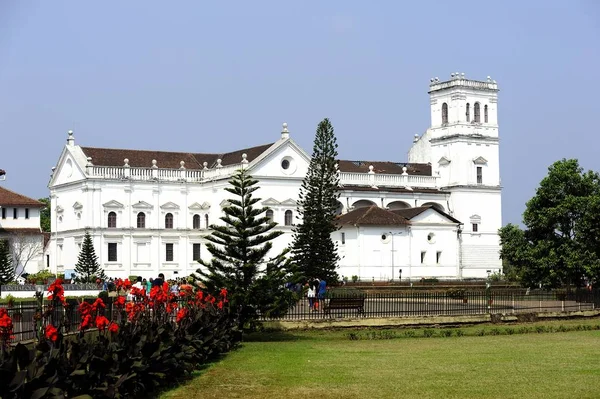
(371, 169)
(285, 133)
(404, 169)
(219, 163)
(89, 161)
(70, 139)
(182, 165)
(154, 163)
(244, 156)
(205, 164)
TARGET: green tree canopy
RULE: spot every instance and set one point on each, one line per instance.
(45, 215)
(561, 242)
(87, 268)
(240, 258)
(315, 252)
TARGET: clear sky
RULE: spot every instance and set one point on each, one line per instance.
(217, 76)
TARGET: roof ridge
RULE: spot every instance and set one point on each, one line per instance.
(21, 195)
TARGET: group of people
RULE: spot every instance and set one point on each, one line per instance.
(315, 292)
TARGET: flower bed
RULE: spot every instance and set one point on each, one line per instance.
(146, 345)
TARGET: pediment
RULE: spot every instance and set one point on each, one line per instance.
(289, 202)
(113, 204)
(142, 205)
(270, 201)
(59, 209)
(205, 205)
(225, 203)
(195, 206)
(169, 205)
(475, 218)
(480, 161)
(443, 161)
(77, 205)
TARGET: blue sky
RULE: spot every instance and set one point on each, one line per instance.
(217, 76)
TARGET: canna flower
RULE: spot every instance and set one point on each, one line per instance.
(51, 333)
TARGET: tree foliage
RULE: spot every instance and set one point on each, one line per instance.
(561, 242)
(7, 270)
(45, 215)
(315, 252)
(240, 263)
(87, 268)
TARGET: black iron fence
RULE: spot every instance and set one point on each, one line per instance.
(348, 304)
(438, 303)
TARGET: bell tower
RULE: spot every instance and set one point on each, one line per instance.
(463, 148)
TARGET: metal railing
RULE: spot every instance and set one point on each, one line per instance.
(437, 303)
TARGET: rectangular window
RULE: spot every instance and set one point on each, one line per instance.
(3, 213)
(15, 213)
(479, 175)
(169, 252)
(438, 256)
(343, 238)
(112, 251)
(475, 227)
(26, 213)
(195, 252)
(423, 256)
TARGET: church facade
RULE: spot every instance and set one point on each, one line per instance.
(436, 215)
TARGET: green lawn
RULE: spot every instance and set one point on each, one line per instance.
(326, 364)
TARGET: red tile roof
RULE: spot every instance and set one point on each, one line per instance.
(167, 159)
(10, 198)
(410, 213)
(371, 216)
(386, 167)
(15, 230)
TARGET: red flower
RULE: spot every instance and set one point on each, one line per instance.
(101, 322)
(126, 284)
(181, 314)
(120, 302)
(171, 306)
(199, 295)
(113, 328)
(98, 303)
(224, 293)
(138, 292)
(158, 295)
(86, 322)
(220, 304)
(51, 333)
(6, 325)
(56, 291)
(84, 309)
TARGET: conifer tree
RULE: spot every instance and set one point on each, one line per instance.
(240, 262)
(87, 268)
(7, 271)
(314, 251)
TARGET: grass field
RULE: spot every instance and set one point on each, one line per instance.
(327, 364)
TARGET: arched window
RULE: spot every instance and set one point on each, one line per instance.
(468, 112)
(444, 113)
(169, 221)
(112, 220)
(141, 220)
(477, 116)
(288, 218)
(196, 222)
(270, 215)
(206, 220)
(485, 114)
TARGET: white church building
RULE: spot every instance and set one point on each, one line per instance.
(436, 215)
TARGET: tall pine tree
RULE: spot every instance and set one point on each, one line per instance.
(7, 271)
(314, 251)
(87, 268)
(240, 263)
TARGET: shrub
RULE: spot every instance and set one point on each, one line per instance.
(103, 295)
(149, 344)
(509, 331)
(354, 278)
(410, 333)
(460, 333)
(495, 331)
(428, 333)
(446, 333)
(456, 293)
